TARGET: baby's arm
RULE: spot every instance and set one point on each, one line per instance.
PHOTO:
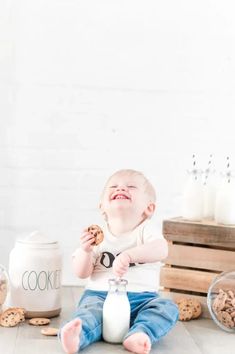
(150, 252)
(83, 257)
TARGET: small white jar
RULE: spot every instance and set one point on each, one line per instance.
(35, 276)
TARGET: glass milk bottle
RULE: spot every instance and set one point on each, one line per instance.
(209, 194)
(116, 312)
(192, 206)
(225, 201)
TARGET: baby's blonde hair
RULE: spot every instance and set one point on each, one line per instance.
(149, 189)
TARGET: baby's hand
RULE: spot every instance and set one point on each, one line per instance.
(121, 264)
(87, 241)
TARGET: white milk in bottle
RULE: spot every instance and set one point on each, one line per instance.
(192, 206)
(225, 201)
(209, 194)
(116, 312)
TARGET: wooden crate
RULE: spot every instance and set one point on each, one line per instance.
(198, 252)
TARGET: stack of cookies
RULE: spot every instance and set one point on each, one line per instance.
(189, 309)
(12, 316)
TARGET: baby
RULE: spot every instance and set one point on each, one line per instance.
(131, 248)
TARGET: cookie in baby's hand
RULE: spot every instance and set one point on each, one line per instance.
(97, 232)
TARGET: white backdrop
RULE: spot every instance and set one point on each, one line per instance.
(88, 87)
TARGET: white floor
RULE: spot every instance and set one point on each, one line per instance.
(195, 337)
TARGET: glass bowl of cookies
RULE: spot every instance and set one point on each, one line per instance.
(221, 301)
(3, 286)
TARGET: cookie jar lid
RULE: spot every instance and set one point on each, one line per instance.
(37, 239)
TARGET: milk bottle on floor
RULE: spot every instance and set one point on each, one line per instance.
(116, 312)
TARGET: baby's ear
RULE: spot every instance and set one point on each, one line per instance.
(101, 208)
(150, 210)
(102, 211)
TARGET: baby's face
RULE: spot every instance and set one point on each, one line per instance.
(125, 193)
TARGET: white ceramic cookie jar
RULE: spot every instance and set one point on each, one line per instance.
(35, 266)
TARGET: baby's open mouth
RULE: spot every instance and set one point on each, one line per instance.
(120, 196)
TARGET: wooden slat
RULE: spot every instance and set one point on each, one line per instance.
(177, 296)
(185, 279)
(206, 233)
(199, 257)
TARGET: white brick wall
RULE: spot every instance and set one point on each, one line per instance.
(89, 87)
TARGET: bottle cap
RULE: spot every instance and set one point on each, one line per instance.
(117, 281)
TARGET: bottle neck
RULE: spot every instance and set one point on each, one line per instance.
(117, 285)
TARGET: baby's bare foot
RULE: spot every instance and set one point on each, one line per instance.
(138, 342)
(70, 336)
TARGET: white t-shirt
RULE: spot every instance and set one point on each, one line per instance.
(141, 277)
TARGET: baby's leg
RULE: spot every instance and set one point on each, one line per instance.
(153, 319)
(138, 342)
(86, 327)
(70, 336)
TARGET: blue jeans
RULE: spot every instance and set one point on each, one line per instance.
(149, 314)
